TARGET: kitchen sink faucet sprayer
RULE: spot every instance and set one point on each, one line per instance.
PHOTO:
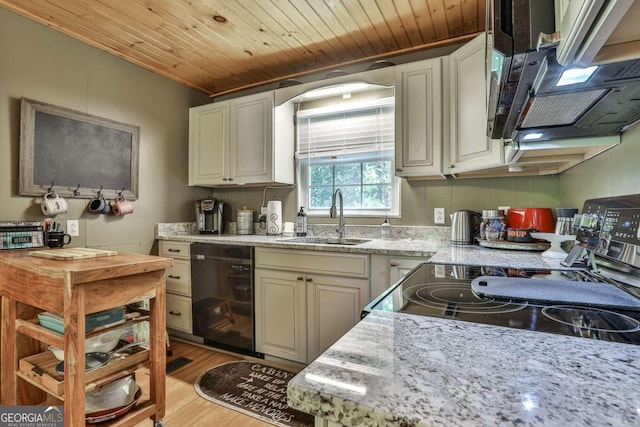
(332, 212)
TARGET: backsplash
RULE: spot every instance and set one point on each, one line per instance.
(431, 233)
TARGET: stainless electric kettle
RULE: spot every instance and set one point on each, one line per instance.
(465, 226)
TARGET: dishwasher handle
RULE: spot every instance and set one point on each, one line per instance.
(202, 257)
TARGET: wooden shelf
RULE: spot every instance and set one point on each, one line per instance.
(40, 369)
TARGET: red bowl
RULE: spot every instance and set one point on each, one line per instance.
(532, 218)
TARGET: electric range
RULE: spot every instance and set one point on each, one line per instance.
(596, 296)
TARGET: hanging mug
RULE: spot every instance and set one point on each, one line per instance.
(53, 205)
(121, 206)
(99, 205)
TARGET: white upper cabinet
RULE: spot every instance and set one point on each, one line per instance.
(419, 119)
(234, 142)
(209, 144)
(469, 147)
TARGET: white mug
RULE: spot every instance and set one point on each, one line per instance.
(53, 205)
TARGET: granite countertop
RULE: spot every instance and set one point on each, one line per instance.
(398, 369)
(426, 242)
(409, 241)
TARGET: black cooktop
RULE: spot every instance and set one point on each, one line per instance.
(445, 291)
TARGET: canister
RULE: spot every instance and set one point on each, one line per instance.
(244, 221)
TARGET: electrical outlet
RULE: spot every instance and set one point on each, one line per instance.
(438, 215)
(73, 227)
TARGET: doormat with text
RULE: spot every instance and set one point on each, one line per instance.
(254, 389)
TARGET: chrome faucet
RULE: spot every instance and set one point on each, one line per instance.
(332, 212)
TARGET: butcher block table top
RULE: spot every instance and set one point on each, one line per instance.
(37, 271)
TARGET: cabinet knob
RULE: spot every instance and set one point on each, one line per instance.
(175, 313)
(173, 250)
(398, 169)
(230, 179)
(171, 276)
(309, 280)
(300, 278)
(225, 179)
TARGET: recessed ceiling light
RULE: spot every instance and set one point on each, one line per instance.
(576, 75)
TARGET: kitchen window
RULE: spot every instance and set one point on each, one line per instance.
(348, 146)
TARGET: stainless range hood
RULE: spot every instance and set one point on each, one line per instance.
(531, 98)
(604, 100)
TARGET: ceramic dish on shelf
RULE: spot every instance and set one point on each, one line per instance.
(103, 343)
(555, 251)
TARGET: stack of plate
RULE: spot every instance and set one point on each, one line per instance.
(111, 400)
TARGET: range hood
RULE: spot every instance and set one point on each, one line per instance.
(531, 99)
(597, 101)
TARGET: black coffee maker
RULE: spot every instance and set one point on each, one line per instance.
(210, 216)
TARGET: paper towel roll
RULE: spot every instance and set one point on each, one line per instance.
(274, 217)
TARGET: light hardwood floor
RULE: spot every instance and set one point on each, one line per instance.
(184, 406)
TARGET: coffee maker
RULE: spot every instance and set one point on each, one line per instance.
(210, 216)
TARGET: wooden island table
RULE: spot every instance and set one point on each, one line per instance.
(75, 288)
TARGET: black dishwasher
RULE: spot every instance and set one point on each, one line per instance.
(222, 296)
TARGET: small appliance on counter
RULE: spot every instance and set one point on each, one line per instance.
(210, 215)
(465, 226)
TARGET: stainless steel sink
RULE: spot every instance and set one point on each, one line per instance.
(325, 241)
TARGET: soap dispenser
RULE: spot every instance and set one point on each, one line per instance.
(301, 223)
(385, 229)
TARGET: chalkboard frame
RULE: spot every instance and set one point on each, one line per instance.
(124, 163)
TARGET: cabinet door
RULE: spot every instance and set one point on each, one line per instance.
(334, 305)
(470, 148)
(281, 315)
(419, 119)
(252, 138)
(209, 144)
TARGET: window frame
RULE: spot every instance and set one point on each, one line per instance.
(302, 169)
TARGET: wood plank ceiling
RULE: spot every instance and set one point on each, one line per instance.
(219, 46)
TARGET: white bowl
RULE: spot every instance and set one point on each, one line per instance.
(103, 343)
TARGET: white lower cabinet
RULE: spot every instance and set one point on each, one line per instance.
(281, 315)
(178, 283)
(305, 301)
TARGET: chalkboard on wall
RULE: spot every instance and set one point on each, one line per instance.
(76, 154)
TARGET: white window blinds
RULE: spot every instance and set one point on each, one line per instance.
(333, 132)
